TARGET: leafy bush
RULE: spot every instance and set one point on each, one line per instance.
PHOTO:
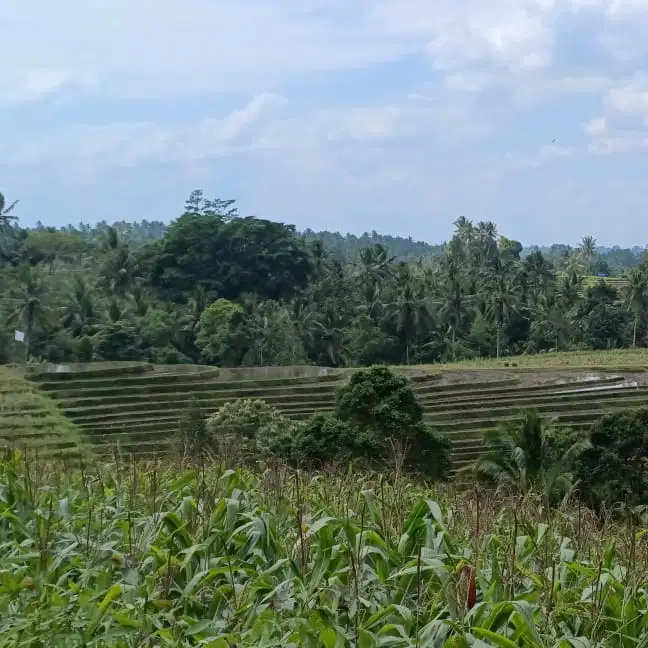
(383, 406)
(613, 469)
(325, 439)
(250, 428)
(380, 400)
(194, 437)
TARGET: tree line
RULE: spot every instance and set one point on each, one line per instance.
(218, 288)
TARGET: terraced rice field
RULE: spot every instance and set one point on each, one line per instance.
(137, 409)
(31, 421)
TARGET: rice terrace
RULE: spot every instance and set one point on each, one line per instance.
(136, 408)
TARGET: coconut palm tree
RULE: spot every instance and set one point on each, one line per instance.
(453, 300)
(501, 297)
(518, 453)
(587, 250)
(31, 311)
(410, 312)
(79, 311)
(7, 219)
(636, 297)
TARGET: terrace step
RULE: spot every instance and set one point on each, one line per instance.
(157, 403)
(184, 379)
(617, 400)
(524, 392)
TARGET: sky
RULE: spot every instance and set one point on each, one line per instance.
(390, 115)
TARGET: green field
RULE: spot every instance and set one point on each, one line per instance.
(137, 408)
(162, 554)
(32, 421)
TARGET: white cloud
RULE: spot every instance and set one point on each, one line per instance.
(630, 99)
(594, 126)
(623, 127)
(163, 48)
(128, 144)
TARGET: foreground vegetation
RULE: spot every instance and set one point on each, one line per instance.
(156, 554)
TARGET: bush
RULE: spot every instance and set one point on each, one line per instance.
(613, 469)
(194, 437)
(378, 399)
(250, 428)
(325, 439)
(382, 405)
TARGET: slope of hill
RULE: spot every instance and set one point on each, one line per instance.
(138, 407)
(32, 421)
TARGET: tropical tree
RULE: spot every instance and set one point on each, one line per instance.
(31, 311)
(502, 299)
(410, 312)
(519, 457)
(636, 298)
(587, 251)
(7, 217)
(79, 309)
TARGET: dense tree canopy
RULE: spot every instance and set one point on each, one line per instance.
(216, 287)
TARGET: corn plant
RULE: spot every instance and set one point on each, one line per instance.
(158, 554)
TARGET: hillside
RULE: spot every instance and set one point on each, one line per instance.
(31, 421)
(137, 407)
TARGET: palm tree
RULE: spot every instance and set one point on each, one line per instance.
(587, 250)
(327, 328)
(411, 313)
(538, 275)
(636, 297)
(453, 303)
(31, 312)
(7, 219)
(375, 267)
(518, 454)
(551, 321)
(501, 299)
(78, 313)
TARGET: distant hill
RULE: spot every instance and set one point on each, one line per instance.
(347, 246)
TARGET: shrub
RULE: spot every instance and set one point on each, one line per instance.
(379, 399)
(325, 439)
(613, 469)
(194, 437)
(382, 405)
(249, 428)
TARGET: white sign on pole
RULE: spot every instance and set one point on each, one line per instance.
(19, 336)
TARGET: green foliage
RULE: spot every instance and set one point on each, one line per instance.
(219, 332)
(381, 400)
(326, 439)
(249, 429)
(383, 406)
(613, 470)
(308, 299)
(531, 454)
(158, 554)
(212, 247)
(195, 439)
(119, 341)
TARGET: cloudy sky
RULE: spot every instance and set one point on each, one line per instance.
(350, 115)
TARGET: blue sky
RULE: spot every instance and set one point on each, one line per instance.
(393, 115)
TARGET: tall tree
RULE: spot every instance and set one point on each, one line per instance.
(636, 298)
(31, 311)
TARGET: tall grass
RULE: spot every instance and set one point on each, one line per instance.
(158, 554)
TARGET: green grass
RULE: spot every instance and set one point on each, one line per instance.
(31, 420)
(131, 555)
(618, 359)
